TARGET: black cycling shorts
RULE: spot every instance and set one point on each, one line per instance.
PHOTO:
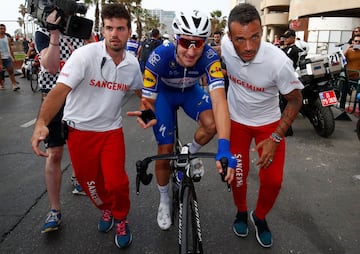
(56, 135)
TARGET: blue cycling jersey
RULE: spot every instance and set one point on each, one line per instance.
(162, 70)
(174, 86)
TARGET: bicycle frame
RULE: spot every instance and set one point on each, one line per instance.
(33, 73)
(184, 197)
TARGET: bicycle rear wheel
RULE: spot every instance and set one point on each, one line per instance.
(190, 239)
(34, 81)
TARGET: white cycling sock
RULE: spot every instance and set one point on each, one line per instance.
(194, 146)
(164, 193)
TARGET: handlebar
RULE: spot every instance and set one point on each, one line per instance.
(145, 178)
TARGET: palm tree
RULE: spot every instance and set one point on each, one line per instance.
(22, 11)
(97, 13)
(140, 15)
(218, 23)
(132, 5)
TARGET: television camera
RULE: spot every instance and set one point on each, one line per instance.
(71, 24)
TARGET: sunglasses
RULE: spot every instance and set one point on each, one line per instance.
(185, 43)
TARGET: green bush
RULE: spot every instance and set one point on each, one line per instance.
(19, 56)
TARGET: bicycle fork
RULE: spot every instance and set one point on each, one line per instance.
(195, 219)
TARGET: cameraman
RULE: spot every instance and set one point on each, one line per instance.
(93, 83)
(54, 49)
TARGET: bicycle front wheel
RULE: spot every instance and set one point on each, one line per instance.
(189, 224)
(34, 82)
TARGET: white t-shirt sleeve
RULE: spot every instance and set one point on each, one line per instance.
(287, 80)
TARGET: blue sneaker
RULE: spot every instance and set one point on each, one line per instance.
(78, 190)
(240, 226)
(263, 234)
(106, 221)
(52, 221)
(123, 236)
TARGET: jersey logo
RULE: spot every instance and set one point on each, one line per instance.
(210, 53)
(215, 70)
(172, 65)
(162, 130)
(154, 58)
(149, 79)
(206, 98)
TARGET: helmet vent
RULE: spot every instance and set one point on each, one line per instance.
(196, 21)
(185, 21)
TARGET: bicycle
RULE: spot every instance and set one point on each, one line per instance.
(184, 199)
(32, 74)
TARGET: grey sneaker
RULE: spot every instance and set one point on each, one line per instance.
(78, 190)
(52, 221)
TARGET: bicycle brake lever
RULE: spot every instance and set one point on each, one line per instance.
(141, 167)
(137, 184)
(138, 172)
(224, 165)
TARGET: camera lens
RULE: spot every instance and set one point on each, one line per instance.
(81, 8)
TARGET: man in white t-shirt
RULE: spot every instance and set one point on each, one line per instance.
(93, 82)
(257, 72)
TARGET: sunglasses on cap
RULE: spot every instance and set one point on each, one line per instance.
(185, 43)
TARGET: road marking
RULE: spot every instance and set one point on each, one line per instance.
(28, 124)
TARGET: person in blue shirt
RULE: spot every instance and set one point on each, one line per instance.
(132, 45)
(171, 80)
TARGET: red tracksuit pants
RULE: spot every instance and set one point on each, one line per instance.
(98, 159)
(270, 178)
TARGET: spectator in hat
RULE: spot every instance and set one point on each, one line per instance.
(166, 39)
(133, 45)
(293, 52)
(290, 49)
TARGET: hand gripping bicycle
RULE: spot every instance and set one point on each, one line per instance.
(184, 199)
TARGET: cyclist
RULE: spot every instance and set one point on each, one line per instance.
(27, 64)
(171, 79)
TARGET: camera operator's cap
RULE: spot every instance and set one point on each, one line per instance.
(289, 33)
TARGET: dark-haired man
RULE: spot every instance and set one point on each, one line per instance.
(257, 72)
(93, 82)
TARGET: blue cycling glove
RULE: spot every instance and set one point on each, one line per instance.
(224, 151)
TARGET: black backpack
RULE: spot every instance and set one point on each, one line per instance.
(148, 46)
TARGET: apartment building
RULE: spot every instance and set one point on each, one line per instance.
(165, 18)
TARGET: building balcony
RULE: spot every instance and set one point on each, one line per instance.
(275, 5)
(273, 19)
(325, 8)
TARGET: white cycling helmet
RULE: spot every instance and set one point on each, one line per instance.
(194, 23)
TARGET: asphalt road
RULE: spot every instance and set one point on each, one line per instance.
(318, 209)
